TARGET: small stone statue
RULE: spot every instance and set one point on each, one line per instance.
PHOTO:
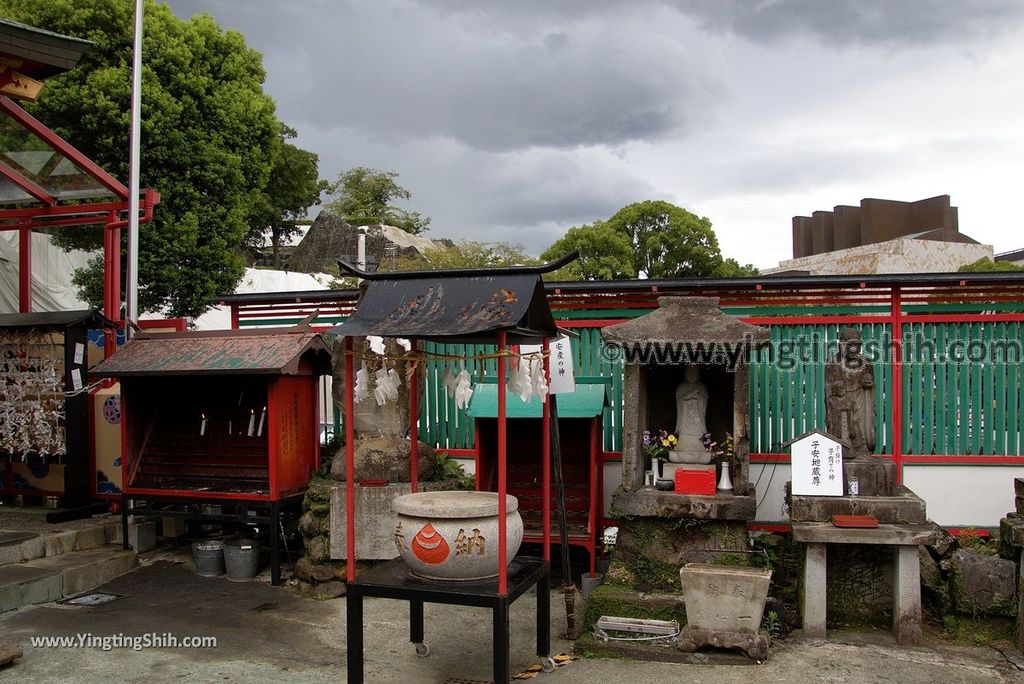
(850, 396)
(691, 411)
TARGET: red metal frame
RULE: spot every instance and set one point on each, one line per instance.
(545, 516)
(51, 215)
(502, 465)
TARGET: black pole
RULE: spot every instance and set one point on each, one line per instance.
(563, 527)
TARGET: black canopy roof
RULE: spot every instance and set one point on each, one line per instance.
(55, 319)
(457, 306)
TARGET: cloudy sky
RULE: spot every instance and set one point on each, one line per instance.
(514, 120)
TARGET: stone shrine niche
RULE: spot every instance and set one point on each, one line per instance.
(682, 324)
(663, 382)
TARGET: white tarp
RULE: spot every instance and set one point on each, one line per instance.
(52, 269)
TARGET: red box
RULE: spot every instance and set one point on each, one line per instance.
(696, 479)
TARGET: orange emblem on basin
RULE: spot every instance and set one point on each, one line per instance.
(429, 546)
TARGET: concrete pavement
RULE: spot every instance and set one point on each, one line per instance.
(269, 633)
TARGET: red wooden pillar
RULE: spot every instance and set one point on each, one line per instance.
(350, 463)
(546, 455)
(502, 466)
(25, 270)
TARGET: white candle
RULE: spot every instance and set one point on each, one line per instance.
(202, 426)
(252, 422)
(229, 427)
(263, 417)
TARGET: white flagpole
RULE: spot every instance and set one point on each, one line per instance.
(132, 287)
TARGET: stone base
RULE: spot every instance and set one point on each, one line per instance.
(652, 503)
(754, 645)
(375, 521)
(875, 476)
(902, 509)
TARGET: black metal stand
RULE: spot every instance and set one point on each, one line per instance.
(270, 519)
(394, 580)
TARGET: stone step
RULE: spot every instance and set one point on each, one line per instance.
(17, 547)
(60, 576)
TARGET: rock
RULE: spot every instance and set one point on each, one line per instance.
(340, 571)
(304, 569)
(386, 458)
(372, 420)
(983, 584)
(934, 585)
(319, 490)
(309, 525)
(318, 549)
(328, 590)
(946, 543)
(322, 572)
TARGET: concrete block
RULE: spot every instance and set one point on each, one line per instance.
(814, 591)
(875, 476)
(375, 521)
(141, 535)
(10, 553)
(59, 543)
(904, 508)
(85, 570)
(33, 548)
(906, 609)
(90, 538)
(21, 585)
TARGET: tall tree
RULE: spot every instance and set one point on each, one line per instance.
(293, 188)
(364, 195)
(651, 239)
(208, 136)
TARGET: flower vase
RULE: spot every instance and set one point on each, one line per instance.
(725, 482)
(656, 468)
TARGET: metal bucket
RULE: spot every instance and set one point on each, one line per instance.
(242, 559)
(209, 558)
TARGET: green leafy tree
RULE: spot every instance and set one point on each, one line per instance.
(208, 136)
(652, 239)
(293, 188)
(605, 253)
(363, 195)
(987, 265)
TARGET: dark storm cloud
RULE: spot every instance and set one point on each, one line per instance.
(404, 71)
(842, 22)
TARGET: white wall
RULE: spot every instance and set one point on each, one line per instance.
(961, 496)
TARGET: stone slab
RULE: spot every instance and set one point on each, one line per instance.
(906, 596)
(652, 503)
(904, 508)
(1018, 504)
(375, 521)
(85, 570)
(1018, 486)
(22, 585)
(894, 535)
(875, 476)
(691, 639)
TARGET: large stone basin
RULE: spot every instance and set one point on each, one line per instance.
(454, 535)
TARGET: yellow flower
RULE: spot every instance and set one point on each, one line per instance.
(672, 441)
(664, 442)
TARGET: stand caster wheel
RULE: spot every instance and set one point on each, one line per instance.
(548, 664)
(422, 650)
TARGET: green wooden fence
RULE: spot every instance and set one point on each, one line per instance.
(950, 406)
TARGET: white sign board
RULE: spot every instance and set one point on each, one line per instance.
(562, 380)
(817, 464)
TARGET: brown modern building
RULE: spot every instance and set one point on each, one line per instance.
(874, 221)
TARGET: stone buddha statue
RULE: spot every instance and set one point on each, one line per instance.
(850, 396)
(691, 414)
